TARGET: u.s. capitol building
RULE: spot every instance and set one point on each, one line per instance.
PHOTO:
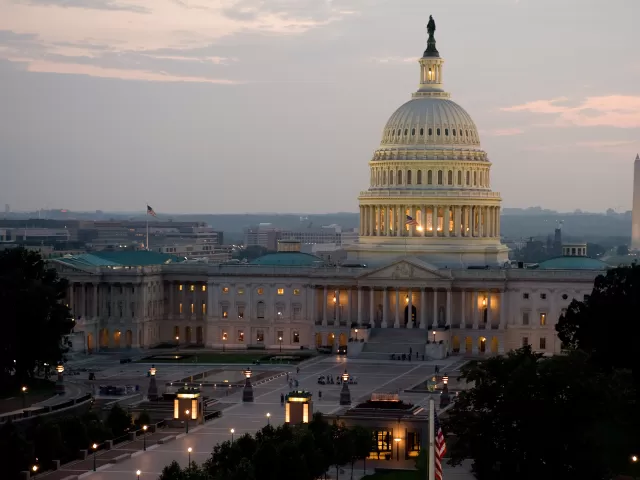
(429, 265)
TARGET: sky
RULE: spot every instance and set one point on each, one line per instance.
(231, 106)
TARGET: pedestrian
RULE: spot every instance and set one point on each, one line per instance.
(282, 398)
(410, 351)
(297, 370)
(319, 394)
(287, 376)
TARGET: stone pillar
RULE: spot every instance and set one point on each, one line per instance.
(396, 324)
(372, 220)
(324, 307)
(503, 309)
(489, 316)
(360, 306)
(410, 310)
(463, 294)
(336, 306)
(385, 307)
(71, 298)
(314, 304)
(95, 301)
(423, 219)
(361, 228)
(472, 221)
(446, 220)
(449, 307)
(423, 308)
(474, 309)
(347, 315)
(372, 307)
(412, 213)
(435, 309)
(499, 222)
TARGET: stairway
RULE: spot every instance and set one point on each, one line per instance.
(383, 342)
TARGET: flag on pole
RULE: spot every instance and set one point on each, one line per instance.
(411, 221)
(150, 211)
(440, 448)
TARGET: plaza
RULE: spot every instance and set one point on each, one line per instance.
(373, 376)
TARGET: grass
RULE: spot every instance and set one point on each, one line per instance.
(402, 475)
(215, 357)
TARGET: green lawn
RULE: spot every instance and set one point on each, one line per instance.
(210, 357)
(393, 476)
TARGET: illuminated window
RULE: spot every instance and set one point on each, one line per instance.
(241, 291)
(224, 336)
(260, 291)
(204, 288)
(225, 289)
(240, 336)
(225, 312)
(180, 308)
(204, 308)
(543, 319)
(296, 291)
(192, 308)
(180, 287)
(240, 311)
(192, 287)
(281, 291)
(260, 336)
(296, 337)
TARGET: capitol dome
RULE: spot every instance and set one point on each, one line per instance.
(429, 190)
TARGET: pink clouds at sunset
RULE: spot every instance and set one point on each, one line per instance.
(621, 111)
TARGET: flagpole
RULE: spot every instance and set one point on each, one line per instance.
(148, 231)
(432, 439)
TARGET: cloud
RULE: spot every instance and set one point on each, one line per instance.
(392, 60)
(621, 111)
(90, 4)
(504, 132)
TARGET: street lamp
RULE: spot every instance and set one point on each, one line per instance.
(24, 396)
(434, 336)
(268, 419)
(247, 391)
(138, 472)
(152, 393)
(224, 340)
(280, 340)
(95, 452)
(397, 440)
(356, 334)
(177, 343)
(345, 394)
(186, 422)
(189, 450)
(232, 432)
(59, 383)
(634, 458)
(144, 438)
(34, 469)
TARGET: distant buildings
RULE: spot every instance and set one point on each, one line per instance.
(331, 237)
(635, 216)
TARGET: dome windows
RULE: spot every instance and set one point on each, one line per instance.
(459, 177)
(409, 177)
(438, 131)
(429, 177)
(384, 177)
(454, 132)
(446, 132)
(419, 178)
(406, 132)
(422, 131)
(413, 131)
(440, 182)
(391, 177)
(399, 177)
(399, 132)
(449, 177)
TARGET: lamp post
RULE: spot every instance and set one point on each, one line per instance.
(356, 334)
(232, 432)
(34, 469)
(186, 422)
(95, 452)
(144, 438)
(280, 340)
(189, 450)
(152, 394)
(434, 336)
(24, 396)
(444, 396)
(268, 419)
(138, 472)
(634, 464)
(345, 394)
(224, 341)
(397, 440)
(247, 392)
(60, 382)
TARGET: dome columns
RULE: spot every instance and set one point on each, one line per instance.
(430, 75)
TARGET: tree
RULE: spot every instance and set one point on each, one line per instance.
(527, 417)
(362, 441)
(119, 421)
(143, 419)
(34, 315)
(173, 471)
(342, 446)
(605, 325)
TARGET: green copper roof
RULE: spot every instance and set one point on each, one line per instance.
(288, 259)
(119, 259)
(573, 263)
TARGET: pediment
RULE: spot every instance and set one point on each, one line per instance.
(406, 269)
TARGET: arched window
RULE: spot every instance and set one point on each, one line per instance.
(406, 132)
(430, 131)
(450, 177)
(460, 132)
(413, 131)
(399, 177)
(429, 177)
(446, 132)
(459, 177)
(467, 178)
(438, 131)
(384, 177)
(419, 178)
(475, 178)
(421, 131)
(409, 177)
(439, 177)
(466, 133)
(399, 132)
(454, 132)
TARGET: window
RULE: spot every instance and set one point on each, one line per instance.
(260, 291)
(422, 131)
(225, 311)
(180, 288)
(391, 178)
(450, 177)
(543, 319)
(280, 336)
(296, 291)
(429, 177)
(413, 131)
(297, 312)
(295, 338)
(467, 179)
(260, 310)
(419, 179)
(525, 296)
(176, 332)
(241, 291)
(399, 131)
(438, 131)
(225, 289)
(446, 132)
(382, 441)
(281, 291)
(525, 341)
(192, 287)
(180, 308)
(409, 177)
(454, 132)
(399, 177)
(525, 318)
(204, 288)
(565, 296)
(204, 308)
(430, 131)
(192, 308)
(475, 178)
(543, 343)
(439, 177)
(543, 296)
(240, 311)
(240, 336)
(459, 177)
(224, 336)
(260, 336)
(406, 131)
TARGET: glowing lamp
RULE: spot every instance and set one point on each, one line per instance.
(345, 376)
(152, 371)
(60, 368)
(334, 299)
(34, 468)
(247, 373)
(24, 389)
(397, 440)
(445, 379)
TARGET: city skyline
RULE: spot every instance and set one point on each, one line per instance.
(111, 105)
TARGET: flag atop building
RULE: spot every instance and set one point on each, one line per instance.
(411, 221)
(440, 448)
(150, 211)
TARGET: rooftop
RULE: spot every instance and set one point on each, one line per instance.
(288, 259)
(139, 258)
(573, 263)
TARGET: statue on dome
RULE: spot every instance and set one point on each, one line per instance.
(431, 26)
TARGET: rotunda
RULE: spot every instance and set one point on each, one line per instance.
(430, 191)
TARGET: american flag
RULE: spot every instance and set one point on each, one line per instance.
(150, 211)
(440, 448)
(411, 221)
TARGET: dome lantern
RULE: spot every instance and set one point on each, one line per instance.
(431, 67)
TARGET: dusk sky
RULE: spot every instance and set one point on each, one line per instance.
(228, 106)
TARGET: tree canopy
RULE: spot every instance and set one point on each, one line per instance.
(34, 316)
(530, 417)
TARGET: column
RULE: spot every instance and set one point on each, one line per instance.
(409, 310)
(71, 299)
(474, 309)
(424, 220)
(372, 307)
(372, 220)
(324, 306)
(503, 309)
(465, 221)
(359, 307)
(398, 221)
(449, 306)
(423, 308)
(435, 309)
(361, 221)
(490, 221)
(457, 221)
(347, 315)
(488, 326)
(396, 324)
(446, 220)
(336, 306)
(463, 294)
(412, 213)
(499, 221)
(385, 307)
(472, 221)
(314, 304)
(95, 300)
